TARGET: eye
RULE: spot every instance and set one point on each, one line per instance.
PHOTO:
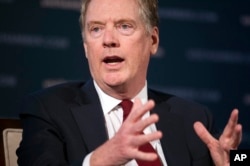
(96, 30)
(125, 28)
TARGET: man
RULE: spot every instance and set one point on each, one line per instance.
(83, 124)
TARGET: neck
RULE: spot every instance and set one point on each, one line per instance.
(124, 91)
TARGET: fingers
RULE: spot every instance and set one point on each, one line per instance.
(135, 126)
(139, 124)
(204, 135)
(232, 134)
(141, 138)
(146, 156)
(232, 123)
(230, 139)
(138, 109)
(237, 136)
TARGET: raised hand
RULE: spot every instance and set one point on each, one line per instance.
(124, 145)
(230, 139)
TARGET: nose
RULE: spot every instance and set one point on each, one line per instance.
(110, 38)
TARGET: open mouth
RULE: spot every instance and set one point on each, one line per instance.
(113, 59)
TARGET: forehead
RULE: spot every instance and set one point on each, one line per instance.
(112, 10)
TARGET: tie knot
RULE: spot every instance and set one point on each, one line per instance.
(126, 105)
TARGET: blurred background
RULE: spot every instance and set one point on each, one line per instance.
(204, 53)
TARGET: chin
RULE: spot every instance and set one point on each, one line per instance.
(114, 83)
(114, 79)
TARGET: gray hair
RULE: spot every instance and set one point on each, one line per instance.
(148, 10)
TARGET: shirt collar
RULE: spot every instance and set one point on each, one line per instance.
(108, 103)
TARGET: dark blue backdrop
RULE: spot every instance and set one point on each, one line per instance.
(204, 52)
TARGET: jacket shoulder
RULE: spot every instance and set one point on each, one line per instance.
(174, 101)
(64, 91)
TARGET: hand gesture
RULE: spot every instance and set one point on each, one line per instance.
(124, 145)
(230, 139)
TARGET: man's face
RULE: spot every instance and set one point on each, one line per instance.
(117, 45)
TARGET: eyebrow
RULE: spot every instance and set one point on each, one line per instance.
(116, 22)
(94, 22)
(128, 21)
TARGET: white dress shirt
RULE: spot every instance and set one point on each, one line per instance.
(113, 114)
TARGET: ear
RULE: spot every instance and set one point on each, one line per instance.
(85, 49)
(155, 40)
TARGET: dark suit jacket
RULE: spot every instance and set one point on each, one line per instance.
(62, 124)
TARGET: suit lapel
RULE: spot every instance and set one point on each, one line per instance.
(173, 141)
(89, 117)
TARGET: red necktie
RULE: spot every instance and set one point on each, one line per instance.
(126, 106)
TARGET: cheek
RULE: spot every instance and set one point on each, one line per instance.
(140, 53)
(93, 60)
(93, 52)
(138, 62)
